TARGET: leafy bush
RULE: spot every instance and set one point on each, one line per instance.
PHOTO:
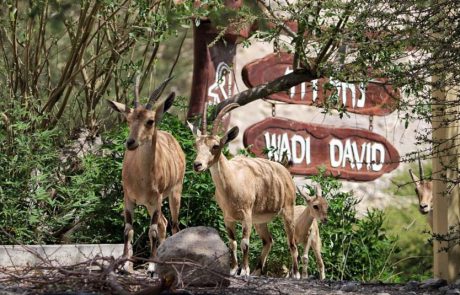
(414, 258)
(87, 205)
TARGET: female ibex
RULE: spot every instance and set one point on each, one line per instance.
(307, 230)
(424, 192)
(249, 190)
(153, 168)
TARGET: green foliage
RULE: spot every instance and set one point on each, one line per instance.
(414, 256)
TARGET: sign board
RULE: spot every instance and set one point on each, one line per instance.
(352, 154)
(214, 54)
(375, 98)
(212, 69)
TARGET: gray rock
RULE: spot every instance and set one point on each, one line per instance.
(453, 292)
(199, 255)
(350, 287)
(433, 284)
(444, 289)
(383, 293)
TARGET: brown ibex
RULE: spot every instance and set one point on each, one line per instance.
(307, 230)
(153, 168)
(250, 190)
(424, 192)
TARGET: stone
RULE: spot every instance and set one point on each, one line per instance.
(453, 292)
(411, 285)
(195, 256)
(433, 284)
(350, 287)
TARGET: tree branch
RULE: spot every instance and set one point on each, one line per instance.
(280, 84)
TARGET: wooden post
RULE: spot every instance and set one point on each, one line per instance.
(446, 264)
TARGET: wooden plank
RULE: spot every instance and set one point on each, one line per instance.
(376, 98)
(352, 154)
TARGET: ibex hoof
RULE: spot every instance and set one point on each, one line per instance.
(257, 272)
(244, 272)
(151, 270)
(234, 271)
(296, 276)
(127, 268)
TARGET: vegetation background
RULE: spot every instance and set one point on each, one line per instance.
(61, 149)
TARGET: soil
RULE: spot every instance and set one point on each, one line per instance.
(264, 285)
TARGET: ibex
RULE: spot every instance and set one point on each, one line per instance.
(424, 192)
(249, 190)
(307, 231)
(153, 168)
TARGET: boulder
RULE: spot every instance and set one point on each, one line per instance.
(195, 256)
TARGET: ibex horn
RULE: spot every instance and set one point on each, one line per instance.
(136, 92)
(156, 94)
(420, 167)
(204, 123)
(226, 109)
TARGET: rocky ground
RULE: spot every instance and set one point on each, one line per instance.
(262, 285)
(250, 286)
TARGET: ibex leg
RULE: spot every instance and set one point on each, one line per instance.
(288, 216)
(267, 241)
(128, 234)
(247, 227)
(230, 226)
(174, 207)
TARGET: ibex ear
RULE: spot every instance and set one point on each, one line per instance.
(319, 191)
(119, 107)
(229, 136)
(194, 129)
(164, 105)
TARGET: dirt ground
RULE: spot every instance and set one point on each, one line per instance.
(264, 285)
(65, 281)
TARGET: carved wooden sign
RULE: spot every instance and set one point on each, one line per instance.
(375, 98)
(352, 154)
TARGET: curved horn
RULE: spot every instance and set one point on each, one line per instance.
(221, 114)
(302, 194)
(204, 123)
(156, 94)
(420, 167)
(136, 92)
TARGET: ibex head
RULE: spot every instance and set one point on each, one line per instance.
(423, 190)
(142, 120)
(209, 146)
(318, 204)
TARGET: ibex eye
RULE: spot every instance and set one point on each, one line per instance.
(149, 123)
(315, 207)
(215, 147)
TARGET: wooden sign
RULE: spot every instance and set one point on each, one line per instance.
(375, 98)
(352, 154)
(214, 55)
(213, 74)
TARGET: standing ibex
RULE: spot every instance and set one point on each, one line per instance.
(307, 230)
(424, 192)
(153, 168)
(249, 190)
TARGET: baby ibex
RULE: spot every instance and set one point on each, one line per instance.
(249, 190)
(307, 231)
(424, 192)
(153, 168)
